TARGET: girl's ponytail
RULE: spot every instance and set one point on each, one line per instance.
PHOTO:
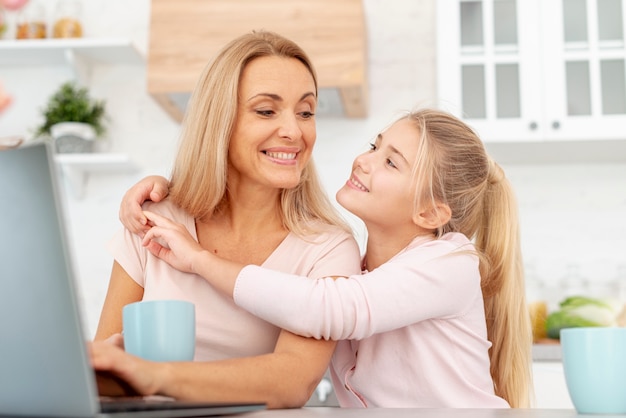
(508, 320)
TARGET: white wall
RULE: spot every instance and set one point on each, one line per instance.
(569, 213)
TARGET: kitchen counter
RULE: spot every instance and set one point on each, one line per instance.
(319, 412)
(547, 352)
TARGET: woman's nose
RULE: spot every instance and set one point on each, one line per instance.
(289, 128)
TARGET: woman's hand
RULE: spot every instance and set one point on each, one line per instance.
(172, 243)
(121, 373)
(153, 188)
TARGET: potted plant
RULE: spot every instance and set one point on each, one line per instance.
(73, 119)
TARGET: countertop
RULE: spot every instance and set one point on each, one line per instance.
(547, 352)
(316, 412)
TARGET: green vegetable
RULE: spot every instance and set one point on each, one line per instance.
(581, 311)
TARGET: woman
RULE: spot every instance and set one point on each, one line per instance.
(438, 318)
(245, 186)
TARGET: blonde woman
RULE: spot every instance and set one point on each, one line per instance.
(438, 318)
(245, 187)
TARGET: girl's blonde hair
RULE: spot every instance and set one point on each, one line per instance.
(198, 182)
(453, 168)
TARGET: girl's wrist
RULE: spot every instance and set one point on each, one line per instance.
(203, 264)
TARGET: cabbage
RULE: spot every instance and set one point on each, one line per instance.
(581, 311)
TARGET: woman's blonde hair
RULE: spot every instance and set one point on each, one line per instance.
(198, 182)
(453, 168)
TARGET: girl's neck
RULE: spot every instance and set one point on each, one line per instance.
(382, 247)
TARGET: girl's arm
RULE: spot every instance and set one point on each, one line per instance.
(434, 280)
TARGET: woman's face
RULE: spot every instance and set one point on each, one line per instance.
(274, 133)
(380, 189)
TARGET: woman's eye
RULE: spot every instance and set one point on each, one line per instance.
(307, 115)
(264, 112)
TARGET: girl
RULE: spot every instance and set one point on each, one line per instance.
(438, 318)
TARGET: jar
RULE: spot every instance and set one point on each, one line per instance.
(31, 21)
(67, 20)
(3, 23)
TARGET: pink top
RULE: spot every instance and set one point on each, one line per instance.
(223, 329)
(416, 324)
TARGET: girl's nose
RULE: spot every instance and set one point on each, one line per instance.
(364, 162)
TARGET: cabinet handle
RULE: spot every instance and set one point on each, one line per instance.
(556, 124)
(532, 126)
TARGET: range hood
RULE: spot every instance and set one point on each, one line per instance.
(186, 34)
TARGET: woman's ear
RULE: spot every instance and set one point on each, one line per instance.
(433, 217)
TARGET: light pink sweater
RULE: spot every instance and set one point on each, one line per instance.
(223, 330)
(416, 326)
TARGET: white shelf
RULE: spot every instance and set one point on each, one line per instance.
(77, 167)
(28, 52)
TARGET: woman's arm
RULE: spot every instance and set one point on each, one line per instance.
(153, 188)
(285, 378)
(122, 291)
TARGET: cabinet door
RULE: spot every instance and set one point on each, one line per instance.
(488, 67)
(534, 70)
(584, 71)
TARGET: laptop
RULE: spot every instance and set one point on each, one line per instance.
(44, 367)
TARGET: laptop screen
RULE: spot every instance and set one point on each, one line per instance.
(43, 364)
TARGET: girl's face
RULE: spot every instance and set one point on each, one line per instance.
(380, 189)
(274, 133)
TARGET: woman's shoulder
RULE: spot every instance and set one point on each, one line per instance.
(323, 251)
(318, 232)
(168, 209)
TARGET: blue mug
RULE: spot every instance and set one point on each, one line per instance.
(594, 362)
(160, 330)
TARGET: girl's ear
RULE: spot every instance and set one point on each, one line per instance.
(433, 217)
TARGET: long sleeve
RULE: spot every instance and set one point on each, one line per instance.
(434, 279)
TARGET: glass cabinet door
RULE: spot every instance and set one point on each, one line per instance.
(584, 59)
(519, 70)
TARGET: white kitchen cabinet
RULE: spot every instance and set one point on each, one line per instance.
(535, 71)
(81, 55)
(549, 386)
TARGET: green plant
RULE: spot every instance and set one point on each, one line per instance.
(71, 103)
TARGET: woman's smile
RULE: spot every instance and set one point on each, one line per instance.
(282, 156)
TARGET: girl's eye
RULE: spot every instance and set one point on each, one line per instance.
(264, 112)
(373, 146)
(390, 163)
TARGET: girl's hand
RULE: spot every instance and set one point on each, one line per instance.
(108, 359)
(172, 242)
(153, 188)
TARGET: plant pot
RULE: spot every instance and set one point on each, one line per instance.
(73, 137)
